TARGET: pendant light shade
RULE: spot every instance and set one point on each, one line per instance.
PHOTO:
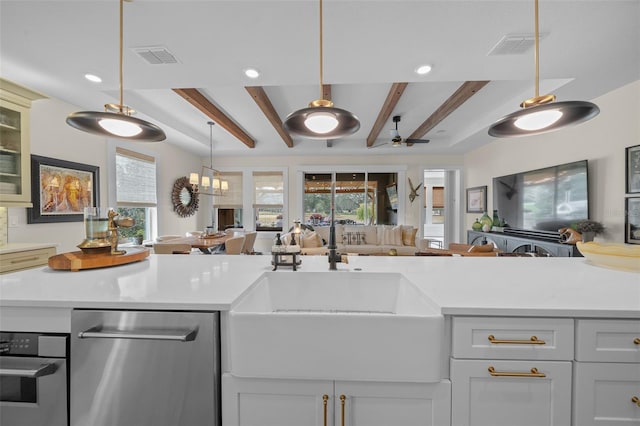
(321, 120)
(541, 114)
(116, 120)
(543, 119)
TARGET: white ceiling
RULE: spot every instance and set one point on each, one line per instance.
(589, 48)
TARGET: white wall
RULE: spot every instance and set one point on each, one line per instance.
(601, 141)
(52, 137)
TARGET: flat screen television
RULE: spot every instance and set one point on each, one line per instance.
(545, 199)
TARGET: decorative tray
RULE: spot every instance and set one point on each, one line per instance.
(77, 260)
(611, 255)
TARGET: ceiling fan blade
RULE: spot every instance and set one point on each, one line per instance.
(412, 141)
(376, 146)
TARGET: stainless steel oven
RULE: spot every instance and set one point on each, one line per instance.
(34, 379)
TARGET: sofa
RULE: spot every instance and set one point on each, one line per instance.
(360, 240)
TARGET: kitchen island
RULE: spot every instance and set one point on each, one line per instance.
(563, 302)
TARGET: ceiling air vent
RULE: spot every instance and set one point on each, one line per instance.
(156, 55)
(514, 44)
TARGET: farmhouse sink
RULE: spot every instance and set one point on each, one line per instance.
(338, 326)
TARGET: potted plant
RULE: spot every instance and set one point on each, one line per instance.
(589, 229)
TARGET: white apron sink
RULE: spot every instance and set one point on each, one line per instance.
(338, 326)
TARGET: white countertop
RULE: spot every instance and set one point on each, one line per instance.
(567, 287)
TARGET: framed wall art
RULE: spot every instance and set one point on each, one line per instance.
(632, 220)
(60, 190)
(633, 169)
(477, 199)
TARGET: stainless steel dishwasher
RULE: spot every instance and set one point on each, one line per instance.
(139, 368)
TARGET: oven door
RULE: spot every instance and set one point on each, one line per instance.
(33, 391)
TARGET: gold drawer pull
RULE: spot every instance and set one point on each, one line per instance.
(25, 259)
(532, 341)
(635, 400)
(534, 373)
(636, 341)
(325, 398)
(342, 400)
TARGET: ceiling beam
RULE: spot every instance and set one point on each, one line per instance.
(396, 91)
(460, 96)
(326, 92)
(200, 101)
(264, 103)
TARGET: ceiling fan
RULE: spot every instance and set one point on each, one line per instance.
(396, 139)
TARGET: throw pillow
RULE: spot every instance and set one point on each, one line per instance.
(397, 235)
(409, 237)
(485, 248)
(354, 238)
(312, 240)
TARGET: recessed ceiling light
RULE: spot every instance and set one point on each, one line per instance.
(423, 69)
(93, 78)
(252, 73)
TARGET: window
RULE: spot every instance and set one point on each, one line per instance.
(229, 204)
(268, 200)
(136, 192)
(360, 198)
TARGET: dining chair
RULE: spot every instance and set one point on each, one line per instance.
(234, 245)
(170, 248)
(249, 241)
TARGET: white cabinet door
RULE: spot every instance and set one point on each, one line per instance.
(397, 404)
(604, 394)
(482, 399)
(264, 402)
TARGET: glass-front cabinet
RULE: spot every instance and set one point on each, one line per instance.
(15, 170)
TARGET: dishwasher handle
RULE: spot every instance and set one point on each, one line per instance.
(31, 373)
(174, 335)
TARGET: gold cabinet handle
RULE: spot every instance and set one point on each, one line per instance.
(342, 402)
(636, 341)
(635, 400)
(532, 341)
(534, 373)
(325, 399)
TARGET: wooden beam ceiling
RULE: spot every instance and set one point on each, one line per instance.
(460, 96)
(396, 91)
(264, 103)
(198, 100)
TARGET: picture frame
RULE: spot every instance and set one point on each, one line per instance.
(477, 199)
(632, 168)
(392, 193)
(60, 190)
(632, 220)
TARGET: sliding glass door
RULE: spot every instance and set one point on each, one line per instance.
(360, 198)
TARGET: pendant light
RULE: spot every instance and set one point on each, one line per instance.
(211, 183)
(116, 121)
(321, 120)
(541, 114)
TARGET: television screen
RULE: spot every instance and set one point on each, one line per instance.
(546, 199)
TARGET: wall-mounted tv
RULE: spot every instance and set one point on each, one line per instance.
(545, 199)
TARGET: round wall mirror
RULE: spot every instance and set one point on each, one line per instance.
(184, 198)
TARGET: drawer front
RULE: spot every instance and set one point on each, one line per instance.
(608, 340)
(513, 396)
(513, 338)
(605, 394)
(17, 261)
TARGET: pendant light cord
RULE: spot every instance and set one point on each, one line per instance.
(211, 123)
(121, 44)
(321, 55)
(537, 51)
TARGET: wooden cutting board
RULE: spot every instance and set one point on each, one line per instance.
(77, 260)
